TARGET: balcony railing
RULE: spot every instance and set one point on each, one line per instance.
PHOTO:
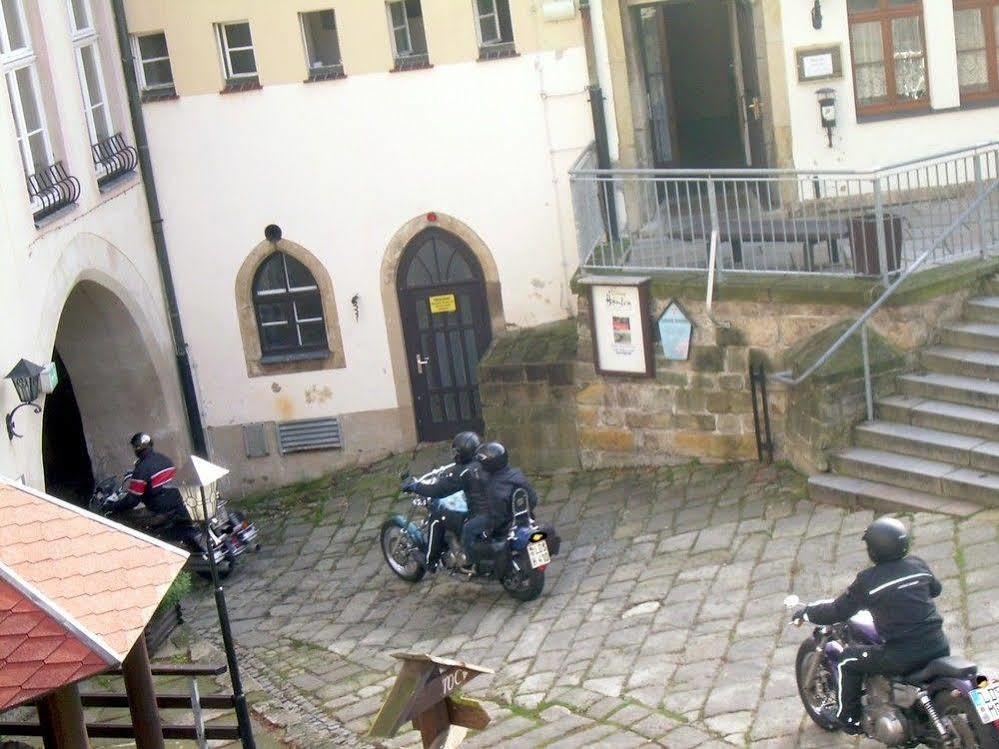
(113, 158)
(869, 223)
(51, 189)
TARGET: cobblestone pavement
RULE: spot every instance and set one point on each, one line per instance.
(661, 622)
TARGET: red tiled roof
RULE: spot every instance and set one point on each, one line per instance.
(76, 591)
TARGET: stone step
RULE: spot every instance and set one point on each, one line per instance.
(962, 361)
(932, 444)
(977, 335)
(873, 495)
(969, 391)
(982, 309)
(935, 414)
(931, 476)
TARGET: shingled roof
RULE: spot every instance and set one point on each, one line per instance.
(76, 591)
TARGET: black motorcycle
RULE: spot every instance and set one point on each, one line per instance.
(516, 556)
(230, 532)
(947, 703)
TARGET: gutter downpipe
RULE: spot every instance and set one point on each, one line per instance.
(194, 425)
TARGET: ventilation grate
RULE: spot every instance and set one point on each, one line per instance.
(309, 434)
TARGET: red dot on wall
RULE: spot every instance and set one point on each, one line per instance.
(431, 217)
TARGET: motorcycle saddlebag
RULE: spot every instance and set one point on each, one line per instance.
(554, 542)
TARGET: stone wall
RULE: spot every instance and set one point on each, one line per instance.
(528, 392)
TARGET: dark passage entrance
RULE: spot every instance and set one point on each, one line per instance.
(68, 472)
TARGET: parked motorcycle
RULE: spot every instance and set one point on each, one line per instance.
(947, 703)
(231, 532)
(519, 553)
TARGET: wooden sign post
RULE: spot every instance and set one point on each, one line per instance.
(422, 693)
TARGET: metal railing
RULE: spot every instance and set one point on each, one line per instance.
(969, 219)
(50, 189)
(113, 158)
(871, 223)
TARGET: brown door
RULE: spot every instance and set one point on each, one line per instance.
(445, 320)
(748, 83)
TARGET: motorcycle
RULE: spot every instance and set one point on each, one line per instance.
(517, 556)
(947, 703)
(230, 532)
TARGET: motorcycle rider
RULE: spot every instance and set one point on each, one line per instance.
(150, 484)
(462, 475)
(898, 591)
(496, 482)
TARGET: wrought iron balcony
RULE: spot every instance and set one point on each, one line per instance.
(51, 189)
(113, 158)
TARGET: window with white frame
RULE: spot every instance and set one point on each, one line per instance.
(20, 71)
(152, 64)
(493, 25)
(236, 48)
(409, 41)
(89, 69)
(322, 45)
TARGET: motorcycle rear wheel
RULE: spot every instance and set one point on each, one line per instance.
(224, 570)
(396, 546)
(811, 695)
(525, 586)
(956, 710)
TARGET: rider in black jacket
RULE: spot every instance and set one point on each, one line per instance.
(898, 591)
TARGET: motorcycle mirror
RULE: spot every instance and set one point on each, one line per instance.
(791, 601)
(403, 474)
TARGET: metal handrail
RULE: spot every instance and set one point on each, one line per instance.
(785, 376)
(729, 172)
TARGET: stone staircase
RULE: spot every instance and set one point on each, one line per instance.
(935, 445)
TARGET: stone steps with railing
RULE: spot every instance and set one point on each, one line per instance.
(934, 445)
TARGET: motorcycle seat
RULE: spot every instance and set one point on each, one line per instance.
(952, 667)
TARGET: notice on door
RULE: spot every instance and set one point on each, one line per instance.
(443, 303)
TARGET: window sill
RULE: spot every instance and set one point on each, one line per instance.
(115, 184)
(238, 85)
(498, 52)
(979, 102)
(402, 65)
(332, 73)
(295, 357)
(166, 94)
(900, 114)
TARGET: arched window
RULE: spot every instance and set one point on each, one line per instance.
(289, 308)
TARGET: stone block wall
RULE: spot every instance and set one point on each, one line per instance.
(528, 392)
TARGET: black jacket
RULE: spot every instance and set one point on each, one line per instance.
(899, 596)
(467, 477)
(499, 489)
(151, 485)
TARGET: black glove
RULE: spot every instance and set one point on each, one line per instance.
(799, 615)
(409, 483)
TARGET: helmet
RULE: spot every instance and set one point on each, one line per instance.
(464, 445)
(887, 540)
(492, 456)
(141, 442)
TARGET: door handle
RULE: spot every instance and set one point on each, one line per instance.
(421, 363)
(756, 107)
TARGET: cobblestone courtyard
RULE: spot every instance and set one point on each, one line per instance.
(661, 622)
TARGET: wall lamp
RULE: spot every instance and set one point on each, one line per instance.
(817, 15)
(25, 376)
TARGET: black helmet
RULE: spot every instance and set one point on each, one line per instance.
(141, 442)
(464, 445)
(886, 540)
(492, 456)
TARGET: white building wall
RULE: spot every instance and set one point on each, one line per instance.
(340, 167)
(866, 145)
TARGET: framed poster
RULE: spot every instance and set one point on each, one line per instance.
(819, 63)
(620, 324)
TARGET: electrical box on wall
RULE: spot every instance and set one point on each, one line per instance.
(558, 10)
(48, 379)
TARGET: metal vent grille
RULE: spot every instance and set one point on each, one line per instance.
(255, 441)
(309, 434)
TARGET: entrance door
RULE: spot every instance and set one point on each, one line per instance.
(445, 319)
(650, 22)
(748, 82)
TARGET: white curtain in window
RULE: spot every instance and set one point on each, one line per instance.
(972, 63)
(910, 63)
(868, 62)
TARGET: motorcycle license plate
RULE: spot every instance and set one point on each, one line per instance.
(537, 552)
(986, 702)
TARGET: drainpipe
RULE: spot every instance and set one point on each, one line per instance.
(596, 47)
(194, 425)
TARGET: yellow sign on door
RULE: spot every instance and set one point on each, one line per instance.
(443, 303)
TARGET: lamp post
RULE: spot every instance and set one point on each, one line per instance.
(25, 376)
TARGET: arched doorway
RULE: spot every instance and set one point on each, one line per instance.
(446, 326)
(109, 389)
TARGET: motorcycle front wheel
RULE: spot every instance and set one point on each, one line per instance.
(525, 585)
(819, 693)
(960, 716)
(398, 547)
